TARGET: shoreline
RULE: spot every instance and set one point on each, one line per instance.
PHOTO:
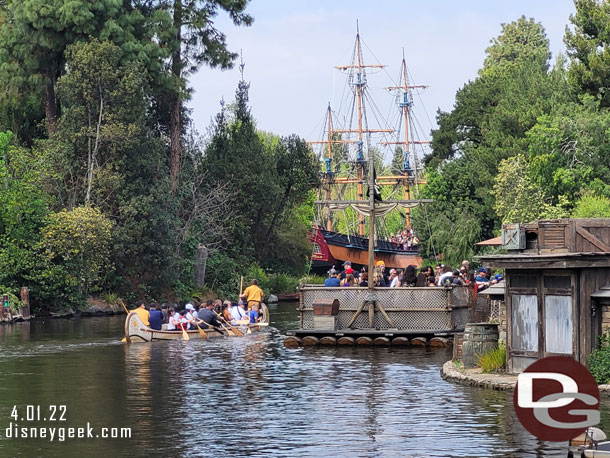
(474, 377)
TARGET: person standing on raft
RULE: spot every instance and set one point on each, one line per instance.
(253, 294)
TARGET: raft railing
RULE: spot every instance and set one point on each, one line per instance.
(428, 310)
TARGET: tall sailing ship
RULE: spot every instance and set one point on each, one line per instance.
(350, 148)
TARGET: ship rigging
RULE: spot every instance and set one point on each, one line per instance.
(352, 154)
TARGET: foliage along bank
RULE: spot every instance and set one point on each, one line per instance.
(102, 189)
(526, 139)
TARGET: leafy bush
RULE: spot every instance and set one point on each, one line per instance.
(222, 275)
(493, 360)
(79, 240)
(110, 298)
(281, 283)
(599, 361)
(312, 279)
(592, 206)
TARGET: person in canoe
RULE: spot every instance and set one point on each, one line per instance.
(208, 317)
(238, 313)
(226, 313)
(253, 295)
(174, 320)
(143, 314)
(155, 318)
(254, 315)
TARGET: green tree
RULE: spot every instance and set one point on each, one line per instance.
(522, 40)
(587, 47)
(33, 37)
(79, 240)
(591, 206)
(490, 122)
(196, 41)
(104, 108)
(24, 207)
(270, 178)
(518, 198)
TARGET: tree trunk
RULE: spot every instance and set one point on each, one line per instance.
(51, 107)
(175, 127)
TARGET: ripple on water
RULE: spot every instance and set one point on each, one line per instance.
(253, 397)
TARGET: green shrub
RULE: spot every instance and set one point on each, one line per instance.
(281, 283)
(312, 279)
(110, 298)
(222, 276)
(493, 360)
(599, 361)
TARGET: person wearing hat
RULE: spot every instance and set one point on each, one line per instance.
(333, 279)
(348, 265)
(482, 279)
(190, 315)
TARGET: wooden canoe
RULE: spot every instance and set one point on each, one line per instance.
(137, 331)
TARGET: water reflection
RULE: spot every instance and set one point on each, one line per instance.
(251, 396)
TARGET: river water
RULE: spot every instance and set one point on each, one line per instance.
(244, 397)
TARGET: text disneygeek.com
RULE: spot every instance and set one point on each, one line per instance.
(61, 433)
(20, 428)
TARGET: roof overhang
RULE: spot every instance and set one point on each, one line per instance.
(546, 261)
(496, 241)
(495, 290)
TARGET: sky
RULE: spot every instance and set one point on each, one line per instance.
(293, 45)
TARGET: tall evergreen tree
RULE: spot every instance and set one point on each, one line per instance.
(588, 49)
(196, 41)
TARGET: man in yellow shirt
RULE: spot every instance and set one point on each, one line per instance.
(143, 314)
(253, 294)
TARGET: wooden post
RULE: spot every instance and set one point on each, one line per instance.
(200, 265)
(25, 299)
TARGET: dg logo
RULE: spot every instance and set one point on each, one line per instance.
(556, 399)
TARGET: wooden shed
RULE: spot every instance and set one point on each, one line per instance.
(557, 288)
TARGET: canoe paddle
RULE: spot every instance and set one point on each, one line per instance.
(185, 335)
(124, 306)
(201, 332)
(212, 327)
(236, 331)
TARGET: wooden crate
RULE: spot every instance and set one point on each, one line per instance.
(326, 307)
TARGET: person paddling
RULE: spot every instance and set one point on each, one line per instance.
(254, 316)
(174, 320)
(238, 313)
(143, 314)
(253, 294)
(207, 317)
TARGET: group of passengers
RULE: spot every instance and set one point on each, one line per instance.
(406, 240)
(442, 275)
(211, 314)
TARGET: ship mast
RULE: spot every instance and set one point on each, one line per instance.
(329, 173)
(358, 80)
(405, 102)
